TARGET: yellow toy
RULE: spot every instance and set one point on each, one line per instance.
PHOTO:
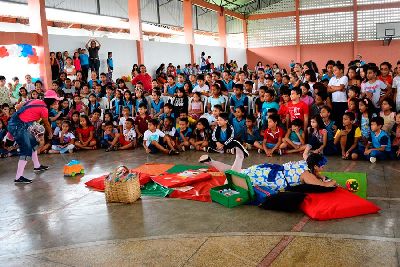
(73, 168)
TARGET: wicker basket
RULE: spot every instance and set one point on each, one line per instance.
(122, 192)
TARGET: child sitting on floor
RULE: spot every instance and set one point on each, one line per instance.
(294, 140)
(66, 140)
(110, 137)
(86, 138)
(154, 140)
(272, 136)
(252, 137)
(222, 136)
(127, 139)
(379, 146)
(347, 138)
(317, 137)
(200, 135)
(183, 134)
(239, 123)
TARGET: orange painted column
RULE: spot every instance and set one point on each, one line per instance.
(38, 24)
(188, 27)
(222, 32)
(298, 45)
(355, 29)
(135, 27)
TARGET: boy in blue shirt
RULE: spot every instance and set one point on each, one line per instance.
(170, 86)
(252, 137)
(379, 146)
(238, 99)
(110, 66)
(269, 103)
(84, 59)
(239, 123)
(157, 104)
(183, 134)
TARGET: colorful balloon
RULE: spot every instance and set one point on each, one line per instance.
(27, 50)
(3, 52)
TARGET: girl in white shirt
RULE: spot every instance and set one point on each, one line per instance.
(69, 68)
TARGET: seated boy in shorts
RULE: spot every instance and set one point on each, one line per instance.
(154, 140)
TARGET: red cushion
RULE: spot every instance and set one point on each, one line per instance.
(337, 204)
(97, 183)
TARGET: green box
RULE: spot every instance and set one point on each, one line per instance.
(342, 177)
(236, 181)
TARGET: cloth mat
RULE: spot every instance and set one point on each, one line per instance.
(181, 168)
(342, 177)
(155, 190)
(153, 168)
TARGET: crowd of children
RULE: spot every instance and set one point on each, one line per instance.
(332, 112)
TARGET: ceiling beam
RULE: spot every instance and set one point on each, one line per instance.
(217, 8)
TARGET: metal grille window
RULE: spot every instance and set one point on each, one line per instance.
(149, 11)
(326, 28)
(205, 19)
(89, 6)
(314, 4)
(366, 21)
(171, 12)
(114, 8)
(233, 25)
(271, 32)
(365, 2)
(280, 6)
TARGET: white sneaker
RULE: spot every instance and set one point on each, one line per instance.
(280, 152)
(259, 151)
(372, 159)
(191, 147)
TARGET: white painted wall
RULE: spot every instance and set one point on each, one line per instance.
(216, 53)
(156, 53)
(124, 51)
(238, 54)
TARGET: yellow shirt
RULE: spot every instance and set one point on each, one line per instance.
(357, 133)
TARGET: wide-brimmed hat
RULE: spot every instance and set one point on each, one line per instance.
(52, 94)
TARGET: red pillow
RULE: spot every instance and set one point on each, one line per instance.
(97, 183)
(337, 204)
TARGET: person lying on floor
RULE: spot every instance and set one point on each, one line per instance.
(274, 176)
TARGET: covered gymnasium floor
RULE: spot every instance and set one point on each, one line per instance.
(57, 221)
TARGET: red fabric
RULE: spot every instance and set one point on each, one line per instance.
(201, 190)
(145, 79)
(171, 180)
(297, 111)
(337, 204)
(273, 137)
(85, 132)
(97, 183)
(142, 123)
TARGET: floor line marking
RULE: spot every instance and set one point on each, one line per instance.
(283, 243)
(203, 235)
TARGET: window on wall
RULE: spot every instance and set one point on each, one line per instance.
(233, 25)
(326, 28)
(280, 6)
(271, 32)
(314, 4)
(205, 19)
(367, 20)
(364, 2)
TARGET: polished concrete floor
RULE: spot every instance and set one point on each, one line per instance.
(57, 221)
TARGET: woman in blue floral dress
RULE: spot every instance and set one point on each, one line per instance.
(274, 176)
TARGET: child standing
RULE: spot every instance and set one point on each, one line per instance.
(110, 66)
(387, 114)
(196, 107)
(272, 136)
(317, 137)
(66, 139)
(294, 140)
(379, 146)
(86, 137)
(154, 140)
(200, 135)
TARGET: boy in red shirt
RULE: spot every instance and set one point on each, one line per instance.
(141, 121)
(272, 136)
(297, 109)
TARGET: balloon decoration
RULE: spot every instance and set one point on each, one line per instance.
(20, 59)
(26, 50)
(3, 52)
